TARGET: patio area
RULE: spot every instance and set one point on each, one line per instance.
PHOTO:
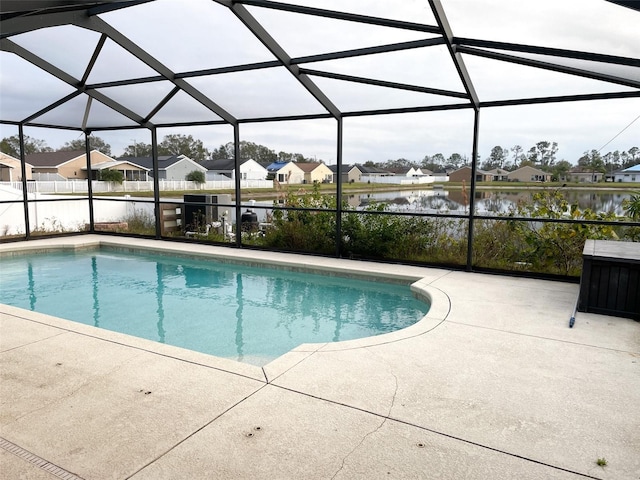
(492, 385)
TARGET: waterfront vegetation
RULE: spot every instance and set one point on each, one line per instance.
(503, 243)
(303, 219)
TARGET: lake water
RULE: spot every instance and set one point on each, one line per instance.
(487, 201)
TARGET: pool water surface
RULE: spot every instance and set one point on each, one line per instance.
(249, 314)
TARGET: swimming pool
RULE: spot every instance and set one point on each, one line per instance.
(229, 310)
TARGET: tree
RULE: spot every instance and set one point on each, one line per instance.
(138, 149)
(543, 154)
(196, 176)
(560, 169)
(259, 153)
(177, 144)
(592, 161)
(612, 161)
(518, 155)
(631, 157)
(108, 175)
(456, 160)
(95, 143)
(11, 146)
(496, 159)
(397, 164)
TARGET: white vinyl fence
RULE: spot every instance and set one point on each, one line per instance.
(404, 180)
(81, 186)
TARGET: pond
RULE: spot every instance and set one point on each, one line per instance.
(487, 202)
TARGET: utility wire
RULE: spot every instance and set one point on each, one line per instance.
(618, 134)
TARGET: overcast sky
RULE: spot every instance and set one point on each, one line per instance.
(197, 34)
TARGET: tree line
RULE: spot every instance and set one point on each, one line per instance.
(542, 155)
(174, 144)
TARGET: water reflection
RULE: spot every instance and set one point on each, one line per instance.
(487, 202)
(94, 284)
(160, 302)
(31, 287)
(240, 302)
(234, 311)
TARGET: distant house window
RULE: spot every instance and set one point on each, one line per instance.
(244, 176)
(281, 177)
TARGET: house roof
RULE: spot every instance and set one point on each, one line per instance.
(372, 170)
(400, 170)
(52, 159)
(529, 167)
(275, 166)
(345, 168)
(114, 163)
(224, 164)
(164, 161)
(308, 167)
(632, 169)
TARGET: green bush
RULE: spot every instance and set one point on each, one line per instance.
(108, 175)
(305, 230)
(196, 176)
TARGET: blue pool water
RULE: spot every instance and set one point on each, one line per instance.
(235, 311)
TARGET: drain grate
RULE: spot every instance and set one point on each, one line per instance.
(37, 461)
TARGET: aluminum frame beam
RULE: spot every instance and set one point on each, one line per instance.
(268, 41)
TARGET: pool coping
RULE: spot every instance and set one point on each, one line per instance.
(420, 286)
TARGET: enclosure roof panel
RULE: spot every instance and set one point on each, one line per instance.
(92, 65)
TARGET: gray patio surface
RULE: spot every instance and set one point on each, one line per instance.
(492, 384)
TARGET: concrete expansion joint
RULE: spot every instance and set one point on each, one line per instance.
(388, 417)
(37, 461)
(384, 418)
(581, 344)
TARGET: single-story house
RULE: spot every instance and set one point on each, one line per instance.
(350, 173)
(463, 174)
(372, 172)
(499, 175)
(170, 167)
(316, 172)
(10, 169)
(406, 171)
(249, 169)
(582, 175)
(130, 171)
(66, 164)
(630, 174)
(529, 174)
(285, 172)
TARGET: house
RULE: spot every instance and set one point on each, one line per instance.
(350, 173)
(285, 172)
(463, 174)
(170, 167)
(10, 169)
(528, 174)
(249, 169)
(130, 171)
(369, 172)
(498, 175)
(631, 174)
(316, 172)
(64, 164)
(406, 171)
(582, 175)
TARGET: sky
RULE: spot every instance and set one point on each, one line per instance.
(204, 34)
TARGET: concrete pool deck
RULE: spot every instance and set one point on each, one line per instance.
(492, 385)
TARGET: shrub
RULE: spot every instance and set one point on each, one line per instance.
(196, 176)
(108, 175)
